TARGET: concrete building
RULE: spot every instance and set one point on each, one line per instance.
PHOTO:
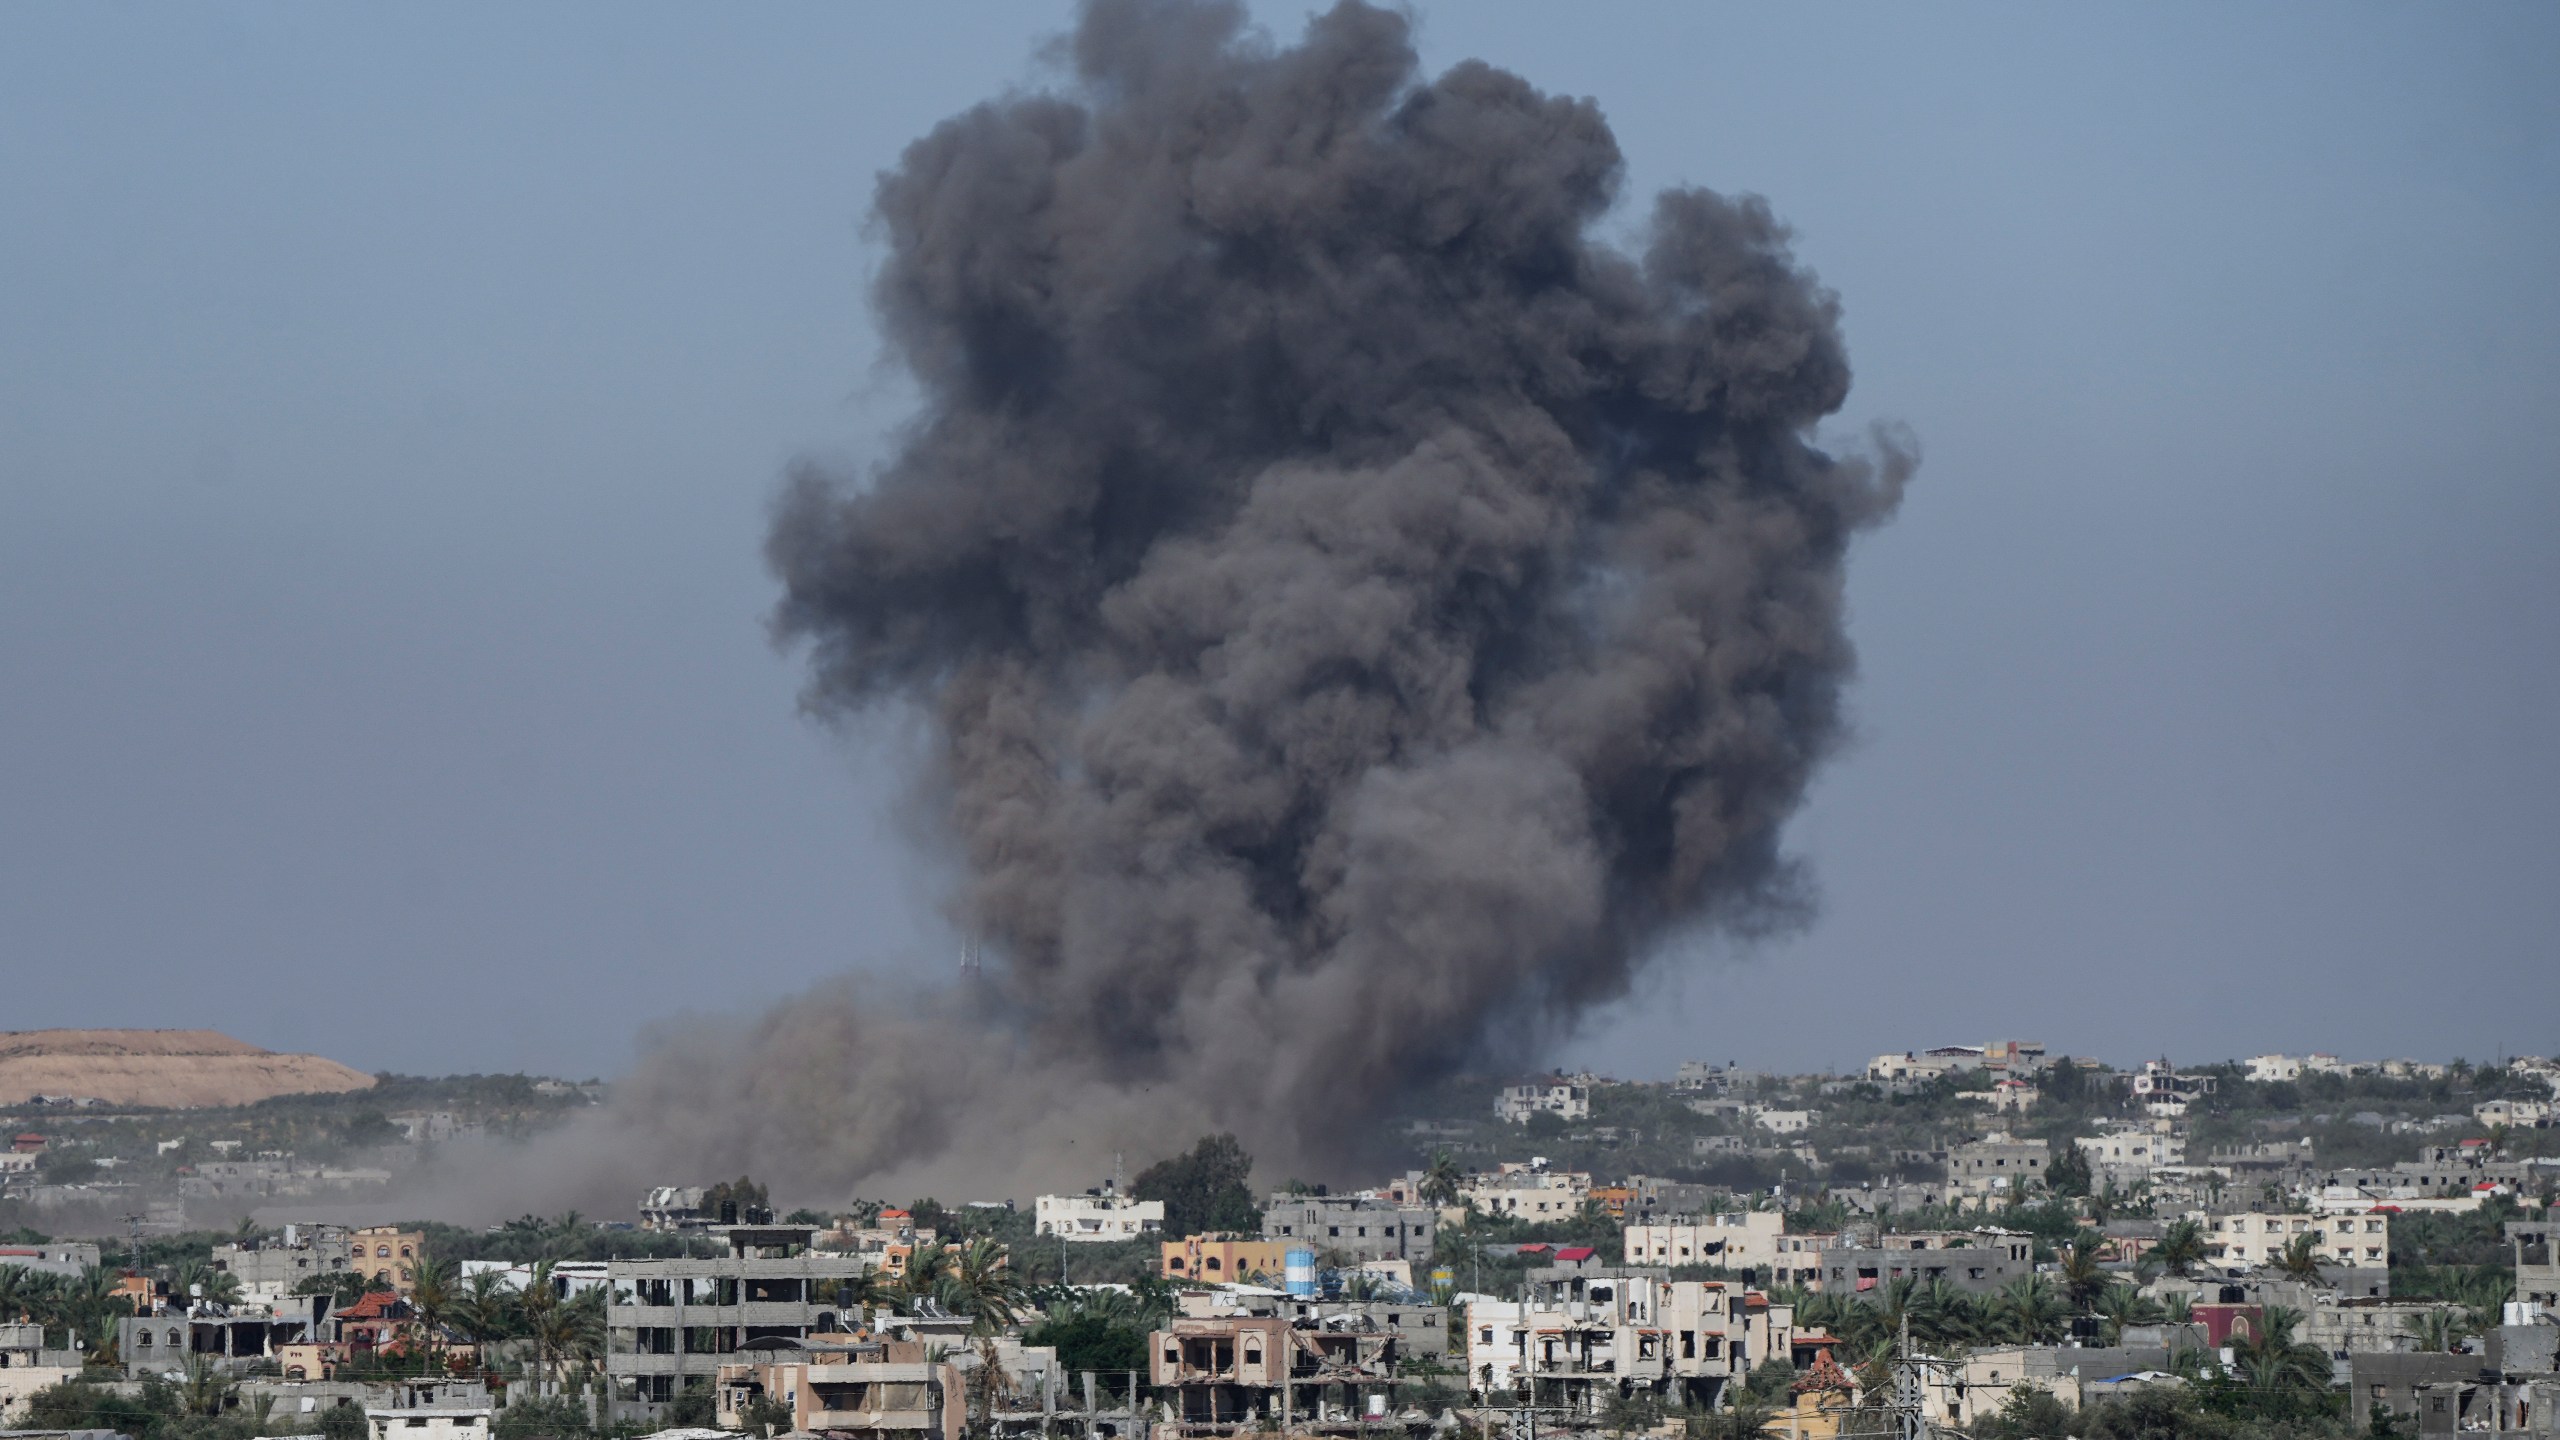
(1224, 1373)
(1360, 1229)
(2238, 1241)
(1098, 1217)
(869, 1391)
(1529, 1191)
(67, 1258)
(685, 1318)
(270, 1269)
(1783, 1122)
(1797, 1260)
(2425, 1388)
(2161, 1090)
(430, 1422)
(1965, 1260)
(1659, 1199)
(1580, 1339)
(2537, 1267)
(2128, 1154)
(1744, 1240)
(1996, 1167)
(26, 1366)
(1515, 1104)
(387, 1253)
(1224, 1258)
(228, 1344)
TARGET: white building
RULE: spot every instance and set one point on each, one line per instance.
(1783, 1122)
(1528, 1192)
(2128, 1155)
(430, 1422)
(1562, 1099)
(1746, 1240)
(2267, 1069)
(2235, 1242)
(1684, 1340)
(2512, 1113)
(1097, 1216)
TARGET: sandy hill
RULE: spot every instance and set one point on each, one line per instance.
(175, 1069)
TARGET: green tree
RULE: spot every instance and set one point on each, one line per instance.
(2181, 1248)
(2069, 1174)
(2030, 1413)
(2300, 1258)
(1441, 1179)
(2083, 1278)
(2437, 1331)
(1205, 1191)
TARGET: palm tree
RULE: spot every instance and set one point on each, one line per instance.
(431, 1299)
(2437, 1331)
(2300, 1258)
(2083, 1278)
(2029, 1311)
(2272, 1361)
(2122, 1305)
(2181, 1247)
(15, 1291)
(205, 1391)
(1441, 1180)
(1942, 1314)
(539, 1308)
(925, 1269)
(482, 1310)
(980, 1282)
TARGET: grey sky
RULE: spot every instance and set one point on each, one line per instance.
(390, 399)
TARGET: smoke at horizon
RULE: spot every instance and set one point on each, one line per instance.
(1360, 611)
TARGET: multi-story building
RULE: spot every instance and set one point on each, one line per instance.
(27, 1366)
(1967, 1260)
(1528, 1191)
(271, 1269)
(671, 1324)
(1996, 1166)
(1360, 1229)
(1098, 1216)
(1745, 1240)
(2161, 1090)
(1562, 1099)
(387, 1253)
(1221, 1372)
(2127, 1155)
(2238, 1241)
(2537, 1276)
(1579, 1338)
(1223, 1258)
(878, 1390)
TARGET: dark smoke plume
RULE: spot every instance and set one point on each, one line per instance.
(1359, 609)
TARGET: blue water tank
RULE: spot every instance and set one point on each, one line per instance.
(1299, 1270)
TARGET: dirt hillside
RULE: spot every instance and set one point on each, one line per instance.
(175, 1069)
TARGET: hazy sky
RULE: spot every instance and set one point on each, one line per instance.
(391, 397)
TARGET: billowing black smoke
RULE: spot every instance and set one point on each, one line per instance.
(1360, 610)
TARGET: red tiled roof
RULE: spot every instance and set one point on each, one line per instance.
(1576, 1252)
(372, 1305)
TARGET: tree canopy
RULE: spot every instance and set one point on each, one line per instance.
(1205, 1190)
